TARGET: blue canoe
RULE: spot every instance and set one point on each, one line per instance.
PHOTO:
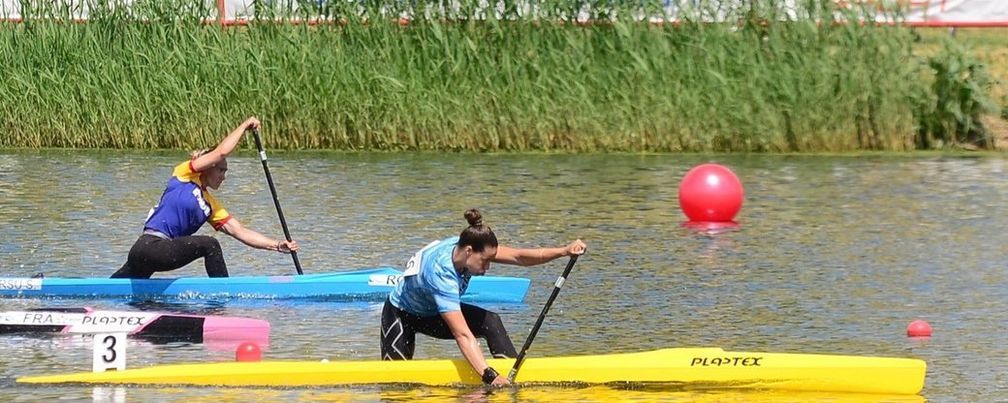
(359, 285)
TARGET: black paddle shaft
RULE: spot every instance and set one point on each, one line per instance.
(273, 192)
(542, 316)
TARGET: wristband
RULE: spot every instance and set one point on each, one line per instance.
(489, 374)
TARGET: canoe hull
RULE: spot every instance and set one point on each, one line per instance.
(359, 285)
(683, 367)
(156, 326)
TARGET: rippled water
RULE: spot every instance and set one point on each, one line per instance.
(833, 255)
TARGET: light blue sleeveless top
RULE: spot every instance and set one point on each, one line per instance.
(431, 286)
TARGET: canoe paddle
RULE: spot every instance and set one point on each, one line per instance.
(276, 202)
(542, 316)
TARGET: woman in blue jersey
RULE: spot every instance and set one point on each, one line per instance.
(428, 298)
(167, 242)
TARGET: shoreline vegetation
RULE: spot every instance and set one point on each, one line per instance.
(157, 77)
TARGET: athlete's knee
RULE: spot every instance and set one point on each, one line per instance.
(211, 244)
(127, 271)
(123, 272)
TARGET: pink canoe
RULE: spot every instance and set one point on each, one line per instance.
(154, 326)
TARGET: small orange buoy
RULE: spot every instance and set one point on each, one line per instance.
(248, 351)
(919, 328)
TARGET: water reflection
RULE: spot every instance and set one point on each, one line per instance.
(108, 395)
(601, 394)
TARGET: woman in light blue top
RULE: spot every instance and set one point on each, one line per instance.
(428, 299)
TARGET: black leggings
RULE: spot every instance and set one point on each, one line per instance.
(399, 329)
(153, 254)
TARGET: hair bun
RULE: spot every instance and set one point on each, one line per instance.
(474, 217)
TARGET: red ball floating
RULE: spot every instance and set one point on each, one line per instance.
(919, 328)
(710, 193)
(248, 351)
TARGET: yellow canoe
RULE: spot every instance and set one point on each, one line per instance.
(683, 367)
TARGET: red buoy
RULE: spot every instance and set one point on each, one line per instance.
(711, 193)
(248, 351)
(919, 328)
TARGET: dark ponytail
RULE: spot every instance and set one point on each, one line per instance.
(477, 235)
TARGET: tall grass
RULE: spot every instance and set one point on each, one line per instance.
(460, 78)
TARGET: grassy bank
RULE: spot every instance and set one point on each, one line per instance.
(457, 83)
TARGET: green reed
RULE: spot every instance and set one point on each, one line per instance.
(157, 76)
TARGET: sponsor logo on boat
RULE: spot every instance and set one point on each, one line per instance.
(384, 280)
(17, 284)
(726, 361)
(113, 320)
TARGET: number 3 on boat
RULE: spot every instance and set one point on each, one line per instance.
(109, 352)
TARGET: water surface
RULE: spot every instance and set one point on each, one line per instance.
(834, 254)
